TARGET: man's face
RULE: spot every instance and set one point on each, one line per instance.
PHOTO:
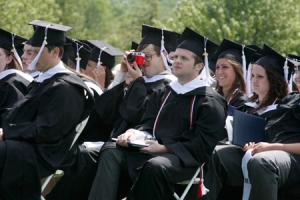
(29, 53)
(46, 60)
(183, 65)
(153, 63)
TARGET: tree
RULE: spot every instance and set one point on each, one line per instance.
(275, 23)
(16, 14)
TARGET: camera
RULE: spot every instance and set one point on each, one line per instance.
(137, 57)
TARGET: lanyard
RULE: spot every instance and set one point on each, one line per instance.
(235, 91)
(163, 103)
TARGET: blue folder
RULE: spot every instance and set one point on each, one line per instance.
(247, 128)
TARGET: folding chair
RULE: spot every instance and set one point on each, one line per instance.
(191, 182)
(59, 173)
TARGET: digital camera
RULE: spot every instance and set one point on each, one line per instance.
(137, 57)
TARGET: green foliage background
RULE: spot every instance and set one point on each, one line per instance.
(118, 22)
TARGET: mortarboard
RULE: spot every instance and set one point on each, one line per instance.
(153, 35)
(196, 43)
(47, 33)
(54, 34)
(103, 53)
(81, 52)
(9, 42)
(257, 54)
(234, 51)
(295, 60)
(164, 39)
(172, 47)
(68, 54)
(199, 45)
(134, 45)
(272, 60)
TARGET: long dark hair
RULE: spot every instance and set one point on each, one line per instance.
(108, 77)
(278, 89)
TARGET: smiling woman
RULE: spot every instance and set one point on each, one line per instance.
(230, 70)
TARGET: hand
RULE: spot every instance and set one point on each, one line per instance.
(154, 147)
(99, 74)
(248, 146)
(263, 146)
(123, 67)
(134, 71)
(125, 137)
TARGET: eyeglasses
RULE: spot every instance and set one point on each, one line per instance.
(148, 56)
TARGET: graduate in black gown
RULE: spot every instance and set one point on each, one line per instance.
(120, 110)
(230, 75)
(13, 82)
(269, 167)
(39, 131)
(180, 117)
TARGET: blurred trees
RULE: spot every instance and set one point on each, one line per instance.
(276, 23)
(118, 22)
(15, 14)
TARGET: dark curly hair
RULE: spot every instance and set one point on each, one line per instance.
(237, 83)
(278, 89)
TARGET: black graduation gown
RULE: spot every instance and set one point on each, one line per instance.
(283, 127)
(126, 111)
(95, 129)
(12, 89)
(239, 100)
(192, 145)
(39, 131)
(108, 107)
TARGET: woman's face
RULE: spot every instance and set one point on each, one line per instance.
(297, 78)
(4, 60)
(91, 65)
(259, 81)
(225, 73)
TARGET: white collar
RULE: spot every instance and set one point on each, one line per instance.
(182, 89)
(60, 68)
(34, 74)
(262, 110)
(15, 71)
(92, 86)
(164, 75)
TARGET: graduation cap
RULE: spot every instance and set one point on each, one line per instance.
(68, 54)
(153, 35)
(234, 51)
(47, 33)
(161, 38)
(134, 45)
(80, 54)
(199, 45)
(53, 34)
(257, 54)
(272, 60)
(9, 42)
(103, 53)
(295, 60)
(172, 47)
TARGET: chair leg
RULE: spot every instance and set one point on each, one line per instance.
(191, 182)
